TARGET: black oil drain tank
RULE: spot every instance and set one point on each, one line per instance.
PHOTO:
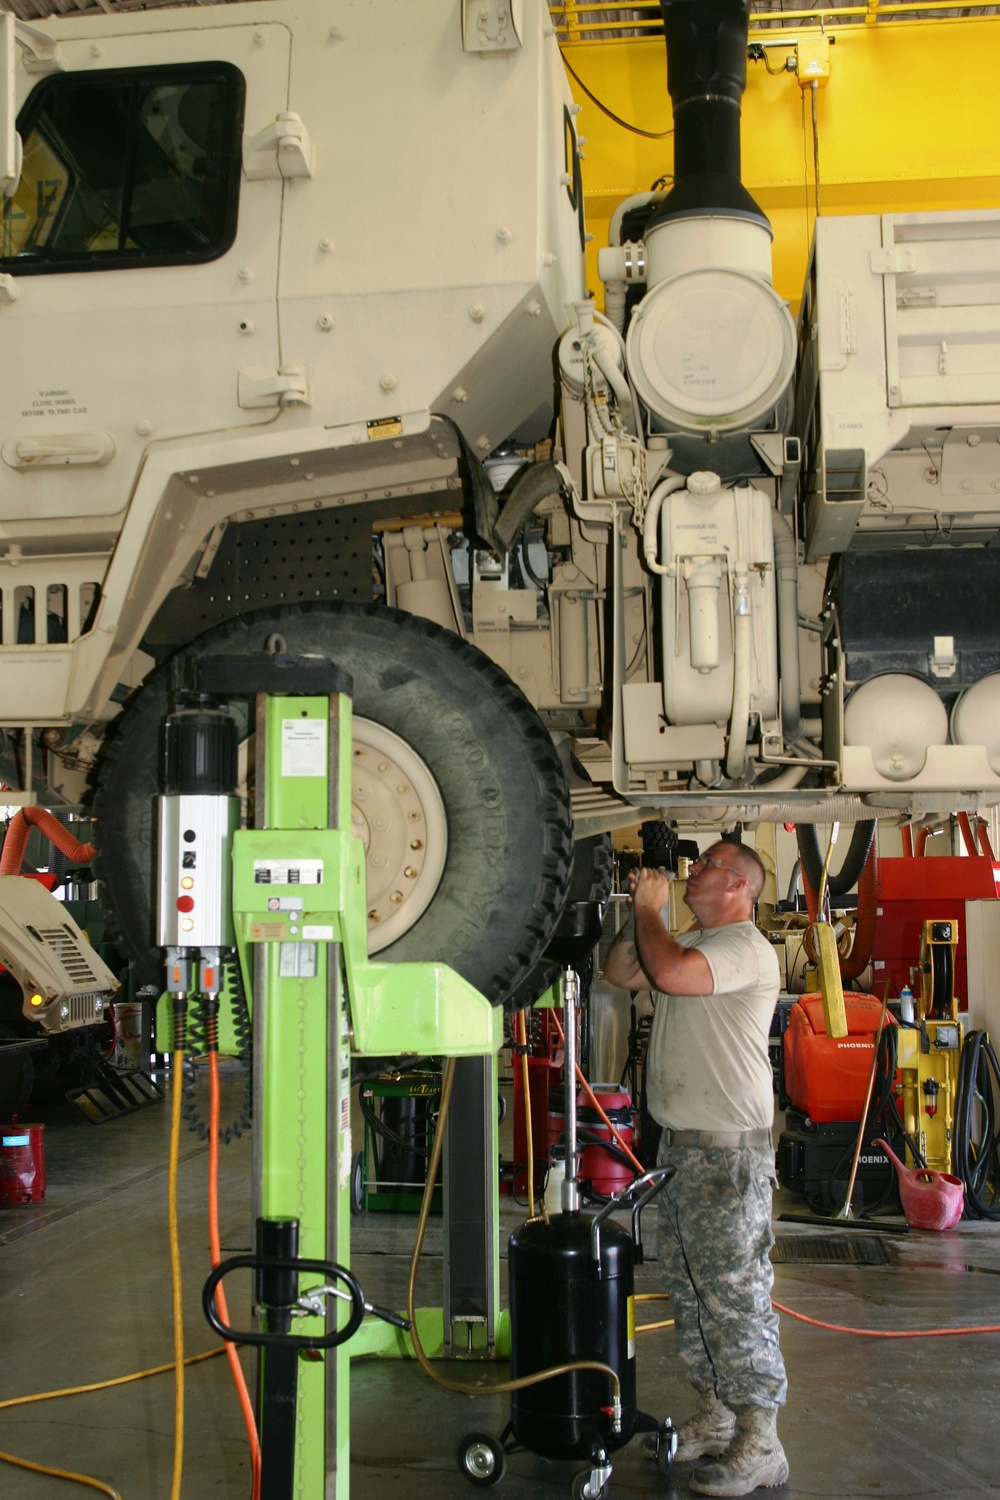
(564, 1306)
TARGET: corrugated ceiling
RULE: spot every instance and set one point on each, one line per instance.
(40, 10)
(580, 22)
(619, 18)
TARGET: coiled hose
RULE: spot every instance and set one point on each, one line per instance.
(197, 1050)
(976, 1160)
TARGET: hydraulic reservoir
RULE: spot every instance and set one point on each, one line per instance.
(718, 547)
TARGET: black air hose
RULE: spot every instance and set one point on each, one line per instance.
(855, 859)
(591, 1138)
(594, 1138)
(942, 981)
(977, 1161)
(529, 489)
(386, 1132)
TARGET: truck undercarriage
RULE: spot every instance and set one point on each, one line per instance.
(683, 558)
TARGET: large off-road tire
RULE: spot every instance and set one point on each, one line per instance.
(591, 878)
(489, 789)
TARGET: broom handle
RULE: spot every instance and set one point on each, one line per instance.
(846, 1213)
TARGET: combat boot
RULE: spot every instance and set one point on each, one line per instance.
(754, 1459)
(707, 1433)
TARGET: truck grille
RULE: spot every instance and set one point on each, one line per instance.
(82, 1010)
(69, 953)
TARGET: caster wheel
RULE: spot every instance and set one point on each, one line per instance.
(582, 1489)
(482, 1458)
(357, 1182)
(665, 1455)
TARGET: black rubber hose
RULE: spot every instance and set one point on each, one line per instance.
(386, 1132)
(977, 1163)
(529, 489)
(942, 980)
(592, 1138)
(524, 562)
(847, 877)
(885, 1114)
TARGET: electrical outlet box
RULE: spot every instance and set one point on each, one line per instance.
(812, 61)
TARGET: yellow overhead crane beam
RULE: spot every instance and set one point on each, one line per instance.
(908, 119)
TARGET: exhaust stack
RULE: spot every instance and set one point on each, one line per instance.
(710, 347)
(706, 78)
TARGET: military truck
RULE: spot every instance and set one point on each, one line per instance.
(299, 356)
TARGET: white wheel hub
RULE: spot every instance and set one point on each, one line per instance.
(397, 811)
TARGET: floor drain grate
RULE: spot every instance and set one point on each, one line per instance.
(830, 1250)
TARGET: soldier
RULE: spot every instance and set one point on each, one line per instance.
(709, 1085)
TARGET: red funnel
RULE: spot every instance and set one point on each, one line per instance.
(931, 1200)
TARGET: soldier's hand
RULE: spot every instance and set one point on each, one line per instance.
(649, 888)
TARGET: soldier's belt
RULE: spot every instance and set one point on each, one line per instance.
(717, 1138)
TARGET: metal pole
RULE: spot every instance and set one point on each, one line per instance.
(570, 985)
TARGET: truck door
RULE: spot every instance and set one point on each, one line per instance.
(138, 276)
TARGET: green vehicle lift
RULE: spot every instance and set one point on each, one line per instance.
(300, 925)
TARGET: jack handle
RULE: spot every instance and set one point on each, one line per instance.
(303, 1308)
(654, 1182)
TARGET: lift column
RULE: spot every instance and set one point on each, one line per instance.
(300, 911)
(288, 895)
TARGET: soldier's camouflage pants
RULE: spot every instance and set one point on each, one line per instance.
(714, 1235)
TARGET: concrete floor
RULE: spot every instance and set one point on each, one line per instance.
(85, 1295)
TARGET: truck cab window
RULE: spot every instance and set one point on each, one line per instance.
(132, 167)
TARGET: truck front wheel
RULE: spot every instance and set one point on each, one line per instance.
(457, 792)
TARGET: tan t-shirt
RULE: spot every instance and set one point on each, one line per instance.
(707, 1067)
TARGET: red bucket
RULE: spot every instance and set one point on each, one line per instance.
(603, 1164)
(22, 1164)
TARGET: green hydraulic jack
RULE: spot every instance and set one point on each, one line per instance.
(299, 922)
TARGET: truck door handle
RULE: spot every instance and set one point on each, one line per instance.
(59, 450)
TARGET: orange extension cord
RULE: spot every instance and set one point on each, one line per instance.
(879, 1333)
(864, 1333)
(215, 1251)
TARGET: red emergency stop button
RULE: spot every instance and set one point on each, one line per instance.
(185, 903)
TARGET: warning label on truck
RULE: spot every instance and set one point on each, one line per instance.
(384, 427)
